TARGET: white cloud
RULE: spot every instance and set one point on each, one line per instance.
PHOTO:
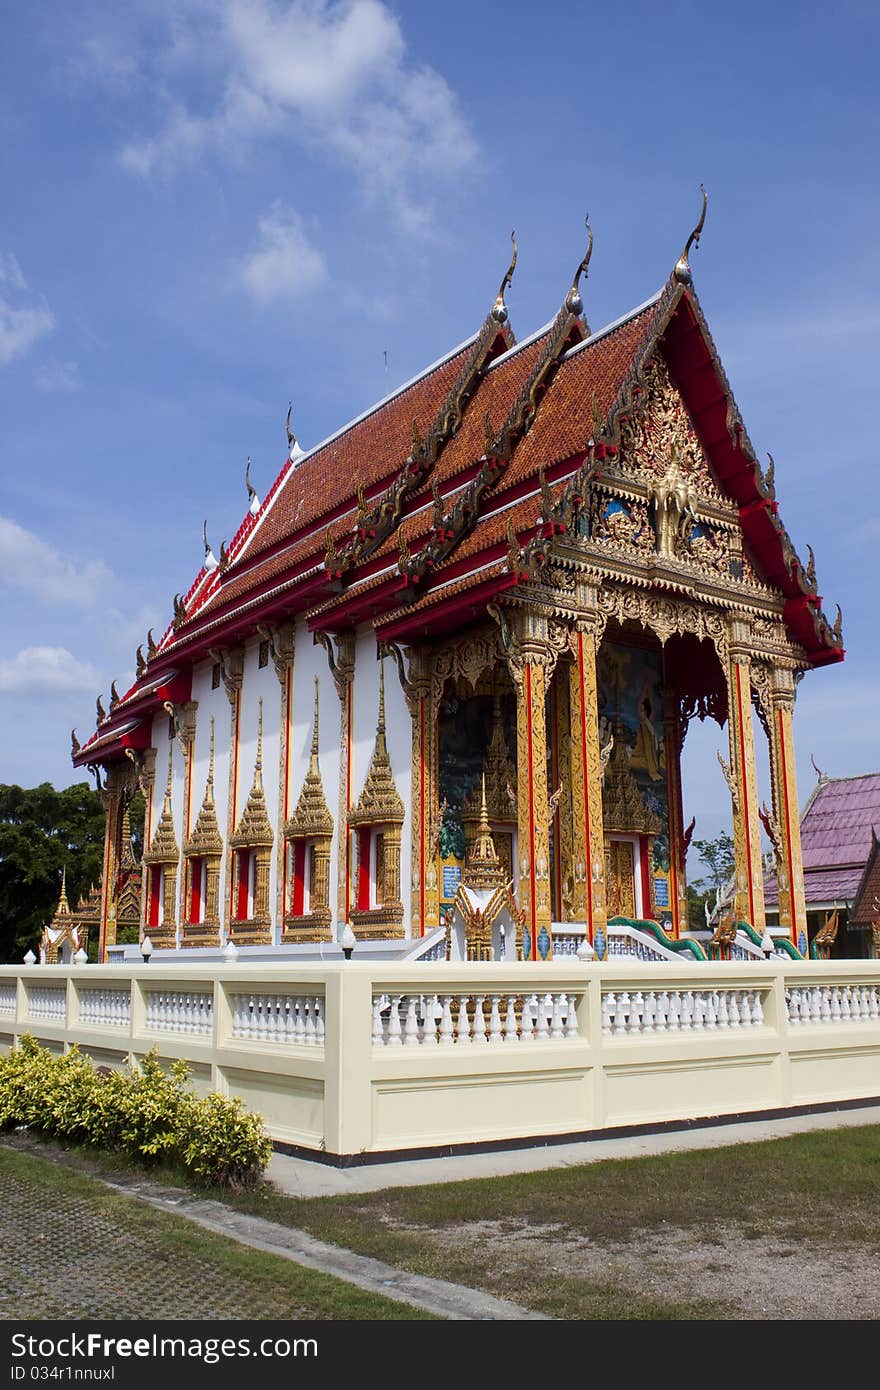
(46, 671)
(333, 76)
(54, 375)
(285, 264)
(24, 316)
(28, 563)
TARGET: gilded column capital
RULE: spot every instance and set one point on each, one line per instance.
(739, 638)
(783, 687)
(533, 640)
(340, 655)
(281, 638)
(231, 663)
(144, 764)
(183, 718)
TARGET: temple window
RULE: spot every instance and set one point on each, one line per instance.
(251, 845)
(203, 852)
(308, 836)
(377, 821)
(162, 860)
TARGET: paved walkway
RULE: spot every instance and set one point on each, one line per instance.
(300, 1177)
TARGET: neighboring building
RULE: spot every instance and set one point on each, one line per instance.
(837, 836)
(864, 918)
(70, 931)
(563, 549)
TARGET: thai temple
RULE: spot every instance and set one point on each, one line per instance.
(438, 683)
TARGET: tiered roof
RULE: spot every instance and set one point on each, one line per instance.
(425, 507)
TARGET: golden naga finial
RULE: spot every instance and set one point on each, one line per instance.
(438, 505)
(114, 695)
(291, 437)
(417, 442)
(75, 744)
(151, 646)
(331, 554)
(811, 567)
(770, 477)
(573, 302)
(682, 270)
(102, 713)
(179, 612)
(362, 503)
(253, 498)
(404, 555)
(224, 557)
(513, 550)
(488, 435)
(837, 629)
(499, 308)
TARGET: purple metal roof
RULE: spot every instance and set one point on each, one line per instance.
(837, 826)
(822, 886)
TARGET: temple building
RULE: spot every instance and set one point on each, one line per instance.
(481, 614)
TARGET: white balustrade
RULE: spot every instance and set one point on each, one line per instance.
(680, 1010)
(186, 1012)
(279, 1018)
(7, 999)
(482, 1020)
(47, 1001)
(818, 1004)
(108, 1008)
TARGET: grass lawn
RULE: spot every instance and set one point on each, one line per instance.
(616, 1239)
(74, 1248)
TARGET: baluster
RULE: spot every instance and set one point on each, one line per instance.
(638, 1011)
(556, 1032)
(299, 1023)
(661, 1020)
(845, 1004)
(395, 1032)
(650, 1012)
(446, 1033)
(804, 1006)
(261, 1021)
(495, 1020)
(479, 1035)
(571, 1022)
(687, 1009)
(411, 1023)
(723, 1010)
(463, 1026)
(429, 1026)
(699, 1014)
(733, 1009)
(825, 994)
(609, 1007)
(712, 1009)
(815, 1005)
(745, 1008)
(320, 1031)
(511, 1032)
(623, 1007)
(835, 1004)
(529, 1018)
(872, 1002)
(757, 1010)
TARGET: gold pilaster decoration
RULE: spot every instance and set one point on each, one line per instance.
(312, 823)
(783, 777)
(206, 843)
(231, 663)
(673, 739)
(163, 856)
(531, 658)
(380, 809)
(561, 809)
(416, 686)
(341, 661)
(748, 870)
(588, 840)
(254, 834)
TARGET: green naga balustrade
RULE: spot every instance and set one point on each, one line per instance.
(683, 946)
(780, 943)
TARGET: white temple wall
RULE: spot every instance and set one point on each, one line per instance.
(311, 660)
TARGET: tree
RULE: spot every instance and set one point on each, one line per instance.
(43, 830)
(717, 856)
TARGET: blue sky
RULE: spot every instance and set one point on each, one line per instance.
(214, 206)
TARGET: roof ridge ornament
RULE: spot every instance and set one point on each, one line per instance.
(499, 308)
(573, 301)
(682, 270)
(210, 557)
(294, 449)
(253, 498)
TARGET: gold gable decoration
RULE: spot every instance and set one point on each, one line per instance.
(623, 806)
(163, 847)
(312, 815)
(254, 830)
(206, 839)
(379, 802)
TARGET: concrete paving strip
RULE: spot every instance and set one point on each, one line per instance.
(302, 1177)
(438, 1296)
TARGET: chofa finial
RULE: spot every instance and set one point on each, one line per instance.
(573, 302)
(293, 447)
(210, 558)
(499, 308)
(682, 267)
(253, 499)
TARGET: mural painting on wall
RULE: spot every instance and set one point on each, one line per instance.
(476, 735)
(630, 708)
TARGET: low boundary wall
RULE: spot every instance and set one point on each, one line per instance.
(359, 1060)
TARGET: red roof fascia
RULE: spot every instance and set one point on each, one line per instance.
(138, 738)
(458, 609)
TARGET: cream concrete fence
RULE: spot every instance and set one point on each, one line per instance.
(368, 1058)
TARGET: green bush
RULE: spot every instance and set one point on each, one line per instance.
(146, 1112)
